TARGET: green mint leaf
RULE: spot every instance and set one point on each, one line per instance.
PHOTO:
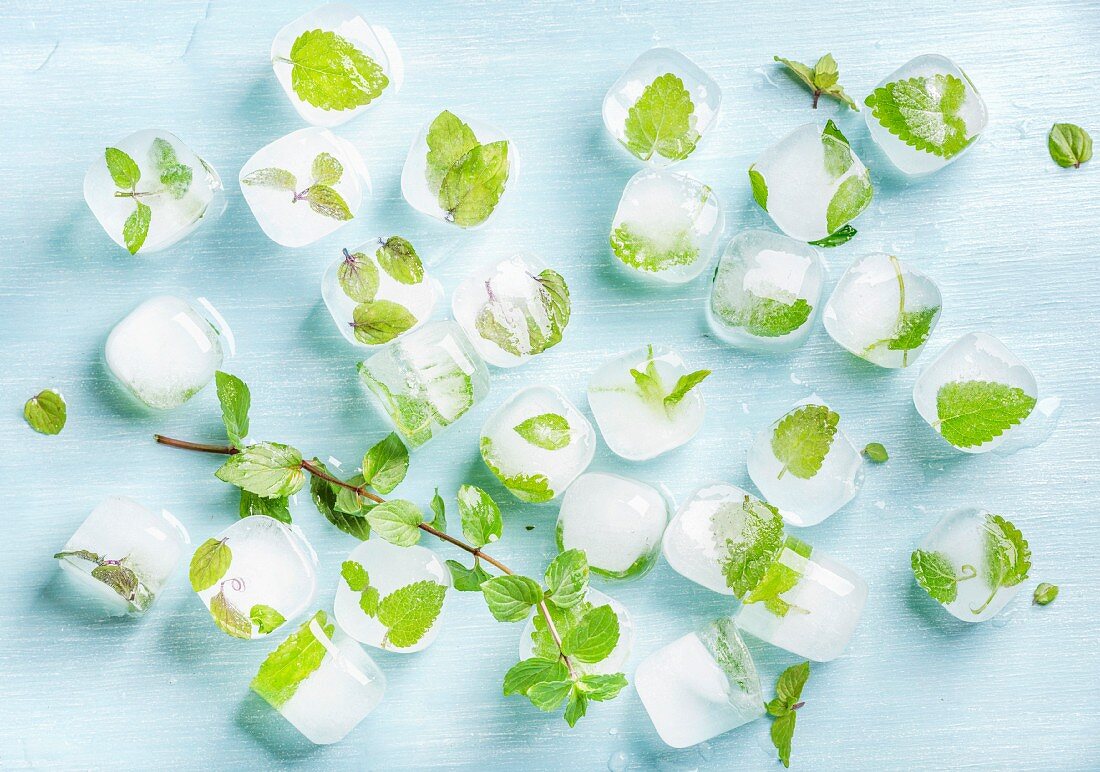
(661, 121)
(46, 412)
(791, 682)
(767, 317)
(1069, 145)
(548, 695)
(842, 236)
(511, 597)
(82, 554)
(266, 619)
(449, 139)
(123, 169)
(467, 579)
(279, 179)
(369, 601)
(209, 564)
(876, 451)
(935, 574)
(565, 620)
(685, 384)
(386, 464)
(576, 707)
(748, 536)
(837, 152)
(602, 687)
(913, 329)
(971, 413)
(472, 187)
(778, 579)
(638, 251)
(1045, 593)
(481, 520)
(923, 113)
(821, 79)
(1008, 557)
(268, 469)
(777, 707)
(534, 488)
(439, 510)
(567, 579)
(409, 612)
(851, 198)
(759, 188)
(594, 637)
(355, 575)
(330, 73)
(397, 522)
(235, 400)
(525, 674)
(326, 201)
(554, 294)
(326, 169)
(119, 578)
(826, 72)
(782, 732)
(358, 277)
(136, 228)
(802, 439)
(229, 618)
(278, 507)
(800, 71)
(649, 385)
(292, 662)
(548, 431)
(174, 176)
(398, 258)
(324, 495)
(514, 324)
(380, 321)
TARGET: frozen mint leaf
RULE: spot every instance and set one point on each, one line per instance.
(876, 451)
(369, 600)
(330, 73)
(779, 579)
(851, 198)
(548, 695)
(124, 169)
(649, 386)
(759, 188)
(279, 179)
(174, 176)
(594, 637)
(326, 201)
(842, 236)
(380, 321)
(324, 495)
(119, 578)
(748, 536)
(409, 612)
(267, 469)
(209, 564)
(398, 258)
(136, 228)
(913, 329)
(935, 574)
(602, 687)
(554, 293)
(293, 661)
(397, 522)
(567, 579)
(923, 113)
(576, 707)
(511, 597)
(355, 575)
(971, 413)
(439, 512)
(229, 618)
(525, 674)
(767, 317)
(385, 464)
(467, 579)
(251, 504)
(1008, 557)
(533, 488)
(661, 121)
(837, 152)
(685, 384)
(645, 254)
(46, 412)
(481, 520)
(1069, 145)
(327, 169)
(472, 187)
(548, 431)
(802, 439)
(358, 277)
(1045, 593)
(82, 554)
(514, 324)
(235, 400)
(449, 139)
(266, 619)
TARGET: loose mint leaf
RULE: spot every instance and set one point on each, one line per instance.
(759, 188)
(235, 399)
(1069, 145)
(767, 317)
(972, 413)
(266, 619)
(330, 73)
(800, 71)
(1045, 593)
(913, 329)
(380, 321)
(876, 451)
(567, 579)
(327, 169)
(782, 732)
(439, 510)
(602, 687)
(923, 113)
(46, 412)
(1008, 557)
(326, 201)
(661, 121)
(472, 187)
(174, 176)
(851, 198)
(467, 579)
(398, 258)
(410, 611)
(641, 252)
(449, 139)
(533, 488)
(525, 674)
(548, 695)
(324, 496)
(268, 469)
(209, 564)
(396, 521)
(548, 431)
(842, 236)
(511, 597)
(136, 228)
(386, 464)
(576, 707)
(802, 439)
(822, 79)
(358, 277)
(786, 704)
(279, 179)
(935, 574)
(685, 384)
(481, 520)
(594, 638)
(748, 536)
(293, 661)
(123, 169)
(355, 575)
(791, 682)
(119, 578)
(229, 618)
(278, 507)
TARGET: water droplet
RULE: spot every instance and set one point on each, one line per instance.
(618, 761)
(880, 504)
(612, 731)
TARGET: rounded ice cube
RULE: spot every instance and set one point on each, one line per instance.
(537, 642)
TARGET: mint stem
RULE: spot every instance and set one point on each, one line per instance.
(817, 95)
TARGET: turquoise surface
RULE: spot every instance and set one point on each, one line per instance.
(1010, 237)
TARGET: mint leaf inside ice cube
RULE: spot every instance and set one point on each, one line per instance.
(331, 73)
(924, 113)
(409, 612)
(802, 438)
(292, 662)
(548, 431)
(971, 413)
(661, 121)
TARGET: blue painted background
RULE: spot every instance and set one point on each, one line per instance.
(1010, 237)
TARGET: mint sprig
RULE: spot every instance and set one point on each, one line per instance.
(821, 79)
(788, 701)
(174, 177)
(321, 196)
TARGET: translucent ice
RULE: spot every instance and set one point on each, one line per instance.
(305, 185)
(616, 521)
(379, 291)
(883, 311)
(975, 393)
(150, 190)
(536, 443)
(427, 380)
(700, 686)
(537, 642)
(166, 350)
(811, 182)
(691, 543)
(641, 405)
(925, 114)
(766, 292)
(333, 65)
(805, 464)
(513, 310)
(321, 681)
(255, 575)
(667, 226)
(660, 108)
(123, 554)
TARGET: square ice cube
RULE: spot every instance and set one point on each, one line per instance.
(333, 65)
(305, 185)
(255, 575)
(536, 640)
(667, 226)
(536, 443)
(379, 291)
(700, 686)
(150, 190)
(513, 310)
(805, 464)
(925, 114)
(426, 380)
(811, 182)
(660, 108)
(975, 393)
(166, 350)
(459, 170)
(640, 405)
(321, 681)
(123, 554)
(883, 311)
(973, 563)
(617, 522)
(765, 292)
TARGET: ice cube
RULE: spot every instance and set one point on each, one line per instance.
(333, 65)
(811, 182)
(691, 543)
(973, 562)
(321, 681)
(661, 107)
(536, 443)
(305, 185)
(513, 310)
(427, 380)
(150, 190)
(537, 642)
(975, 393)
(700, 686)
(617, 522)
(166, 350)
(390, 597)
(379, 291)
(765, 292)
(667, 226)
(255, 575)
(458, 170)
(123, 554)
(805, 464)
(883, 311)
(925, 114)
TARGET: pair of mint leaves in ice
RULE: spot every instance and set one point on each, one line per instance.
(467, 177)
(407, 613)
(332, 73)
(661, 121)
(547, 431)
(320, 194)
(912, 328)
(653, 390)
(173, 176)
(653, 255)
(971, 413)
(209, 566)
(46, 412)
(116, 574)
(525, 325)
(375, 321)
